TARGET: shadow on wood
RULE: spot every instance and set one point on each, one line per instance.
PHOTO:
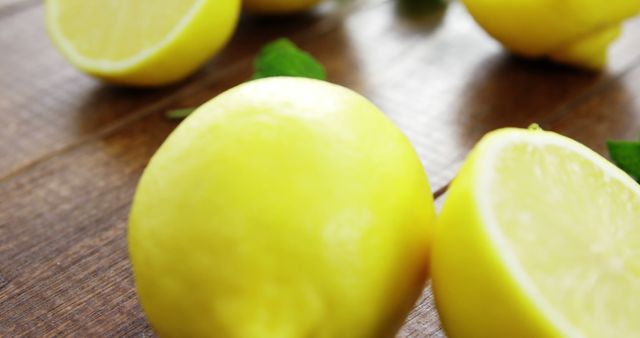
(510, 91)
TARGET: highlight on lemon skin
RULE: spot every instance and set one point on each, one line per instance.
(576, 32)
(284, 207)
(140, 43)
(539, 237)
(278, 7)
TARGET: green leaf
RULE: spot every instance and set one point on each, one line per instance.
(419, 8)
(278, 58)
(626, 155)
(283, 58)
(178, 114)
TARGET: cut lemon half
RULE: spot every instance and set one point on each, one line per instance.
(575, 32)
(136, 42)
(539, 237)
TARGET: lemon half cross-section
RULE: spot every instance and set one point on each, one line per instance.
(539, 237)
(136, 42)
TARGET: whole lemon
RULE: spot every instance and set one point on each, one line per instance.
(284, 207)
(278, 6)
(570, 31)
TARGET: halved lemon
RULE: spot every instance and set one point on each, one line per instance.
(136, 42)
(576, 32)
(539, 237)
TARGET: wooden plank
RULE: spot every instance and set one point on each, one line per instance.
(612, 114)
(423, 321)
(10, 7)
(445, 83)
(48, 106)
(514, 92)
(63, 261)
(397, 77)
(64, 266)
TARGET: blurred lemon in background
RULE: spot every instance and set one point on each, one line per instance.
(284, 207)
(539, 237)
(575, 32)
(141, 43)
(278, 6)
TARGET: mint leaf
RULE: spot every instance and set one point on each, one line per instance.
(626, 155)
(178, 114)
(283, 58)
(419, 8)
(278, 58)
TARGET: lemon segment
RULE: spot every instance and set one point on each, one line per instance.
(539, 237)
(140, 42)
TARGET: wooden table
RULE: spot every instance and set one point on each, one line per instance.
(72, 148)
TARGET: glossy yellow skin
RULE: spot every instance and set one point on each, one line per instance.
(140, 43)
(476, 296)
(278, 6)
(284, 207)
(576, 32)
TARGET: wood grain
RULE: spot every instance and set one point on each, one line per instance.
(612, 113)
(9, 7)
(445, 83)
(50, 106)
(72, 148)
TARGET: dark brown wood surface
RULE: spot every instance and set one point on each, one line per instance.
(73, 148)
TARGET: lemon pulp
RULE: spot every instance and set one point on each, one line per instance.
(571, 222)
(539, 237)
(78, 17)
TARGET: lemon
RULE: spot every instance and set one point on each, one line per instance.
(539, 237)
(278, 6)
(576, 32)
(284, 207)
(141, 43)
